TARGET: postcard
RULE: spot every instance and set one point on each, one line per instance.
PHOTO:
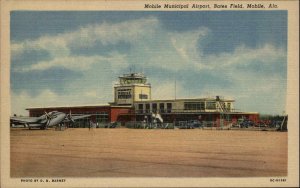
(149, 93)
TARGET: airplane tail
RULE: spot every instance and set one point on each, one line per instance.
(158, 116)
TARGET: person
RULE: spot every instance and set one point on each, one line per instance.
(144, 124)
(154, 123)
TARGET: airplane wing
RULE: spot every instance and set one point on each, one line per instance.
(24, 119)
(76, 117)
(80, 116)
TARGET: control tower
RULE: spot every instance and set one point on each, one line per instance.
(131, 88)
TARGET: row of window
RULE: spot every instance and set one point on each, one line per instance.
(210, 105)
(85, 122)
(161, 107)
(194, 106)
(129, 96)
(93, 113)
(124, 94)
(102, 118)
(132, 81)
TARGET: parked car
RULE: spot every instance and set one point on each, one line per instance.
(246, 123)
(194, 123)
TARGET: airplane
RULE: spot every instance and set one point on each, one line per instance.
(158, 117)
(47, 120)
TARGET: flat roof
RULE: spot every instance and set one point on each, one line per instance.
(79, 106)
(186, 99)
(128, 106)
(201, 113)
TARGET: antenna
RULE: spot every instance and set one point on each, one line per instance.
(175, 88)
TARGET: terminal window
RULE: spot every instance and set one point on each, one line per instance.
(169, 107)
(194, 106)
(161, 107)
(154, 107)
(101, 117)
(143, 96)
(141, 106)
(36, 114)
(229, 106)
(211, 105)
(147, 108)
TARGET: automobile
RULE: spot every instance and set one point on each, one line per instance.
(208, 124)
(194, 124)
(111, 125)
(261, 124)
(246, 123)
(276, 123)
(185, 125)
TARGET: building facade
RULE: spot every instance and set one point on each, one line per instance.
(133, 102)
(100, 114)
(216, 110)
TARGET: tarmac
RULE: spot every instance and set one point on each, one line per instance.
(122, 152)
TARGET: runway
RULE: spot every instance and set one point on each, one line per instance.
(147, 153)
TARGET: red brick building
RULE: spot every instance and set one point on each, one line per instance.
(132, 102)
(99, 113)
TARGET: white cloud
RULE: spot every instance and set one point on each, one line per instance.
(186, 43)
(56, 46)
(17, 49)
(59, 46)
(107, 33)
(164, 90)
(91, 94)
(75, 63)
(242, 55)
(48, 98)
(23, 100)
(151, 46)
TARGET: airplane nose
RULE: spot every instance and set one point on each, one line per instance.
(57, 120)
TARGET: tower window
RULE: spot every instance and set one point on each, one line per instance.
(124, 94)
(143, 96)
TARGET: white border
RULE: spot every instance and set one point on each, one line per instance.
(292, 96)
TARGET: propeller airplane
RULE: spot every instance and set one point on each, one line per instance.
(47, 120)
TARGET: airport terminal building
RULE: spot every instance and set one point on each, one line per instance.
(133, 102)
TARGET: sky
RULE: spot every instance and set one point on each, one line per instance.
(63, 58)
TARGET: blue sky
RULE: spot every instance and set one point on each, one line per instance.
(73, 58)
